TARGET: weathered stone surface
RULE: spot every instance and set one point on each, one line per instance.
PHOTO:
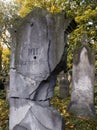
(37, 51)
(31, 115)
(35, 62)
(82, 97)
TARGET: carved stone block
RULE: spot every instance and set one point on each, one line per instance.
(35, 60)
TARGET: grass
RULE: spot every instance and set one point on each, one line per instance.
(71, 122)
(3, 111)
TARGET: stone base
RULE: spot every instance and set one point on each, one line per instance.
(31, 115)
(82, 110)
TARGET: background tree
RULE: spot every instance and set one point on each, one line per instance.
(84, 12)
(86, 18)
(8, 14)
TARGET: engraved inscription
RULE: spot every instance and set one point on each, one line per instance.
(32, 51)
(32, 55)
(31, 58)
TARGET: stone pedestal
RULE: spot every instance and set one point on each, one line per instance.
(37, 54)
(82, 96)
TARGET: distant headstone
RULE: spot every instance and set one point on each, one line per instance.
(95, 79)
(36, 56)
(82, 97)
(1, 85)
(64, 86)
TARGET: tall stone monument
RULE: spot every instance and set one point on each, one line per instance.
(36, 59)
(82, 96)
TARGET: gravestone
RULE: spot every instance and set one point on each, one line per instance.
(36, 57)
(82, 96)
(64, 85)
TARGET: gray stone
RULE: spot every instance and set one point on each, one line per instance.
(82, 96)
(36, 57)
(31, 115)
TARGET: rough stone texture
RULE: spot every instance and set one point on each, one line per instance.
(82, 97)
(36, 59)
(64, 85)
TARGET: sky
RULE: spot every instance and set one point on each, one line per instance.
(7, 0)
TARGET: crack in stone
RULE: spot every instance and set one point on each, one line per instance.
(48, 56)
(12, 68)
(47, 91)
(61, 66)
(15, 128)
(38, 120)
(43, 90)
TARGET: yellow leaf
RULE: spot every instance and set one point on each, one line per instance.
(67, 115)
(71, 126)
(64, 111)
(67, 123)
